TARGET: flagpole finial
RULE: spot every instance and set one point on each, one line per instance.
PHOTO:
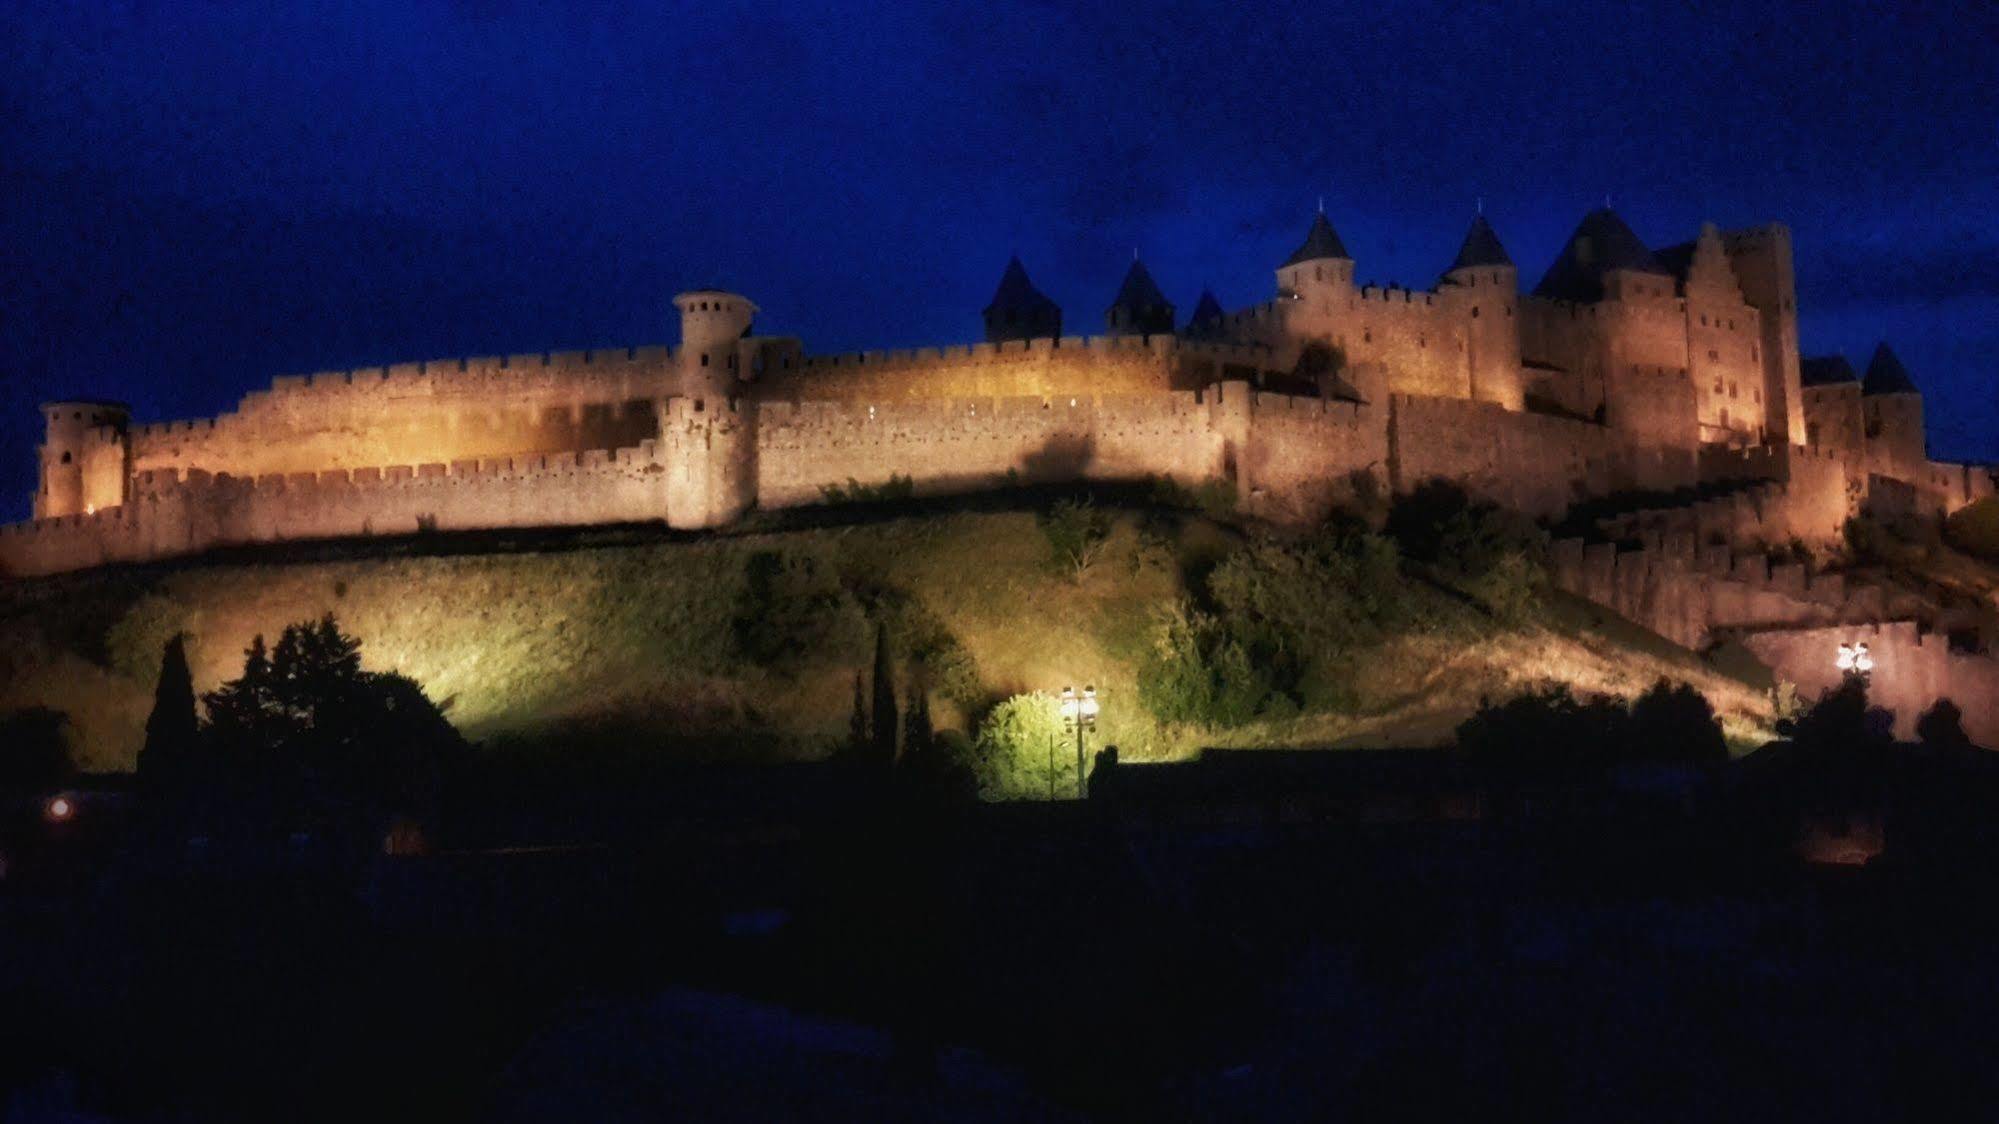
(1606, 200)
(1479, 204)
(1322, 204)
(1134, 253)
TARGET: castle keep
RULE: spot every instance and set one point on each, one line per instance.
(1672, 373)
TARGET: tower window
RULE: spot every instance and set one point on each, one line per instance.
(65, 457)
(704, 359)
(1474, 312)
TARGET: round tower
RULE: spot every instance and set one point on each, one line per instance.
(1482, 287)
(84, 458)
(711, 323)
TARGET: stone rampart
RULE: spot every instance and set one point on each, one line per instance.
(175, 513)
(1686, 591)
(1912, 670)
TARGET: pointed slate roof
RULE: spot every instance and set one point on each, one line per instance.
(1322, 241)
(1016, 293)
(1825, 370)
(1206, 310)
(1886, 375)
(1601, 243)
(1481, 247)
(1139, 291)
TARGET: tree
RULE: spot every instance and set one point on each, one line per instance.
(1672, 722)
(916, 729)
(1018, 750)
(172, 731)
(1077, 532)
(857, 725)
(310, 718)
(884, 723)
(1943, 725)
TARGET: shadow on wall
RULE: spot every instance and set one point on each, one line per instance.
(1062, 456)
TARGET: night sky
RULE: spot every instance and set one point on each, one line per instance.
(201, 196)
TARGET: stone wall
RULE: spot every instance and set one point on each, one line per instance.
(1912, 670)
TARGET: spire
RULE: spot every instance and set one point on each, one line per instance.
(1481, 247)
(1140, 308)
(1019, 311)
(1601, 243)
(1320, 242)
(1886, 375)
(1825, 370)
(1207, 321)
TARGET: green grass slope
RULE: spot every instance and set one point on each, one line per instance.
(746, 645)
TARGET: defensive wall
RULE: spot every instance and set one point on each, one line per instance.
(1686, 592)
(1110, 365)
(172, 513)
(1913, 668)
(409, 413)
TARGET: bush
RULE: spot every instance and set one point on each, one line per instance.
(1076, 532)
(1020, 750)
(896, 487)
(792, 609)
(1548, 731)
(1484, 551)
(1213, 497)
(1286, 618)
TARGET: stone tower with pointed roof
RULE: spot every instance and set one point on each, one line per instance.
(1891, 410)
(1019, 311)
(1482, 288)
(1140, 309)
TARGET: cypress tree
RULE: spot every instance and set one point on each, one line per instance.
(171, 730)
(916, 731)
(857, 726)
(885, 725)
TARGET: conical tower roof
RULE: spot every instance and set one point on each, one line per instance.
(1016, 293)
(1481, 247)
(1886, 375)
(1207, 310)
(1601, 243)
(1321, 242)
(1139, 291)
(1825, 370)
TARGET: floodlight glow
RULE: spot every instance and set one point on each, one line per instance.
(60, 810)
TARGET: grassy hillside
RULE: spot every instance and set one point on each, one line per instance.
(747, 645)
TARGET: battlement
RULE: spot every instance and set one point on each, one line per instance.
(428, 376)
(1159, 344)
(1396, 294)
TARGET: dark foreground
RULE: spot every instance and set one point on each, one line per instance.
(803, 944)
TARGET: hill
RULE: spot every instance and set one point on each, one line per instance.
(644, 643)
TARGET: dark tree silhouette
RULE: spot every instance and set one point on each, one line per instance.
(1674, 722)
(884, 724)
(308, 717)
(916, 728)
(33, 752)
(1943, 725)
(857, 725)
(172, 731)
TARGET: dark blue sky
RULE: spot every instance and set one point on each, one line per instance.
(199, 196)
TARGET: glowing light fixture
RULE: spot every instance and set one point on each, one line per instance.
(1079, 714)
(60, 810)
(1854, 659)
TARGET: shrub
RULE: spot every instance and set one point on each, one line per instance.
(1020, 750)
(1076, 532)
(1213, 497)
(896, 487)
(1491, 554)
(791, 609)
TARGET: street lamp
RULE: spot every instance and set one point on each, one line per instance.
(1079, 713)
(1855, 661)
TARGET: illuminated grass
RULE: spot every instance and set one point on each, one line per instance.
(629, 648)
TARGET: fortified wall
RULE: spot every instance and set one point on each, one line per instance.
(1669, 380)
(1913, 669)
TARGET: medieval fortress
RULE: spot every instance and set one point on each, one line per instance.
(1671, 379)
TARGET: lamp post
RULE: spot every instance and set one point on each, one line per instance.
(1855, 662)
(1079, 713)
